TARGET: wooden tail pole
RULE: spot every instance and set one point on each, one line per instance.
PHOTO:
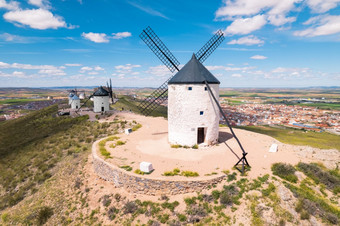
(242, 160)
(84, 103)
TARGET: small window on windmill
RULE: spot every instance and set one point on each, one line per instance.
(189, 88)
(205, 88)
(201, 112)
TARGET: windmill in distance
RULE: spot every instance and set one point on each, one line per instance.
(157, 97)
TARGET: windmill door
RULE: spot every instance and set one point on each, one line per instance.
(200, 135)
(102, 108)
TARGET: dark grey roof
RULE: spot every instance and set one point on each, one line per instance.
(101, 92)
(193, 73)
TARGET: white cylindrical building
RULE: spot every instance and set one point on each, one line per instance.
(75, 102)
(70, 97)
(193, 116)
(101, 100)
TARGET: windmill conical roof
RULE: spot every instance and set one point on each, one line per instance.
(101, 92)
(193, 73)
(75, 97)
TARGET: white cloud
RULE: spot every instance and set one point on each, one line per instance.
(28, 66)
(73, 65)
(250, 15)
(126, 67)
(147, 10)
(280, 19)
(159, 71)
(15, 74)
(85, 69)
(12, 38)
(11, 5)
(93, 73)
(35, 18)
(322, 6)
(246, 26)
(325, 25)
(98, 68)
(40, 3)
(57, 72)
(258, 57)
(96, 37)
(121, 35)
(227, 68)
(248, 40)
(4, 65)
(236, 75)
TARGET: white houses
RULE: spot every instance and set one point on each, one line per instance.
(101, 100)
(193, 116)
(75, 102)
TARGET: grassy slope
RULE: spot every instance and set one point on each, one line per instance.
(128, 103)
(31, 146)
(18, 101)
(326, 106)
(322, 140)
(63, 197)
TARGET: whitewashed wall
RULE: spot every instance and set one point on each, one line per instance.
(75, 103)
(99, 102)
(184, 117)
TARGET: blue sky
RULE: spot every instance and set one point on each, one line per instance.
(272, 43)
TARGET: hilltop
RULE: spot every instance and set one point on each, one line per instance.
(47, 177)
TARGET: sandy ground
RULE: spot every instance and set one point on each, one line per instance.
(150, 144)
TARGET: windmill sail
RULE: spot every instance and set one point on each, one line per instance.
(158, 96)
(210, 46)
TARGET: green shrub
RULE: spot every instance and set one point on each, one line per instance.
(106, 201)
(190, 201)
(136, 127)
(181, 217)
(163, 218)
(270, 189)
(176, 146)
(170, 206)
(104, 152)
(285, 171)
(4, 217)
(231, 177)
(215, 194)
(44, 213)
(189, 174)
(175, 172)
(111, 213)
(119, 142)
(126, 167)
(225, 198)
(195, 146)
(130, 207)
(138, 171)
(304, 215)
(318, 174)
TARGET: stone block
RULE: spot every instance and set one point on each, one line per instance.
(145, 167)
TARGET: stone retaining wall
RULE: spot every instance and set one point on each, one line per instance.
(141, 185)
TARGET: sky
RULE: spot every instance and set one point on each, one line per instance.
(271, 43)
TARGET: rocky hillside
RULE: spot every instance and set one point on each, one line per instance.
(47, 178)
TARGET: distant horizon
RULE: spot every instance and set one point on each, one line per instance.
(126, 87)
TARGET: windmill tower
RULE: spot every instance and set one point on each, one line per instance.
(75, 103)
(192, 117)
(71, 94)
(101, 100)
(193, 109)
